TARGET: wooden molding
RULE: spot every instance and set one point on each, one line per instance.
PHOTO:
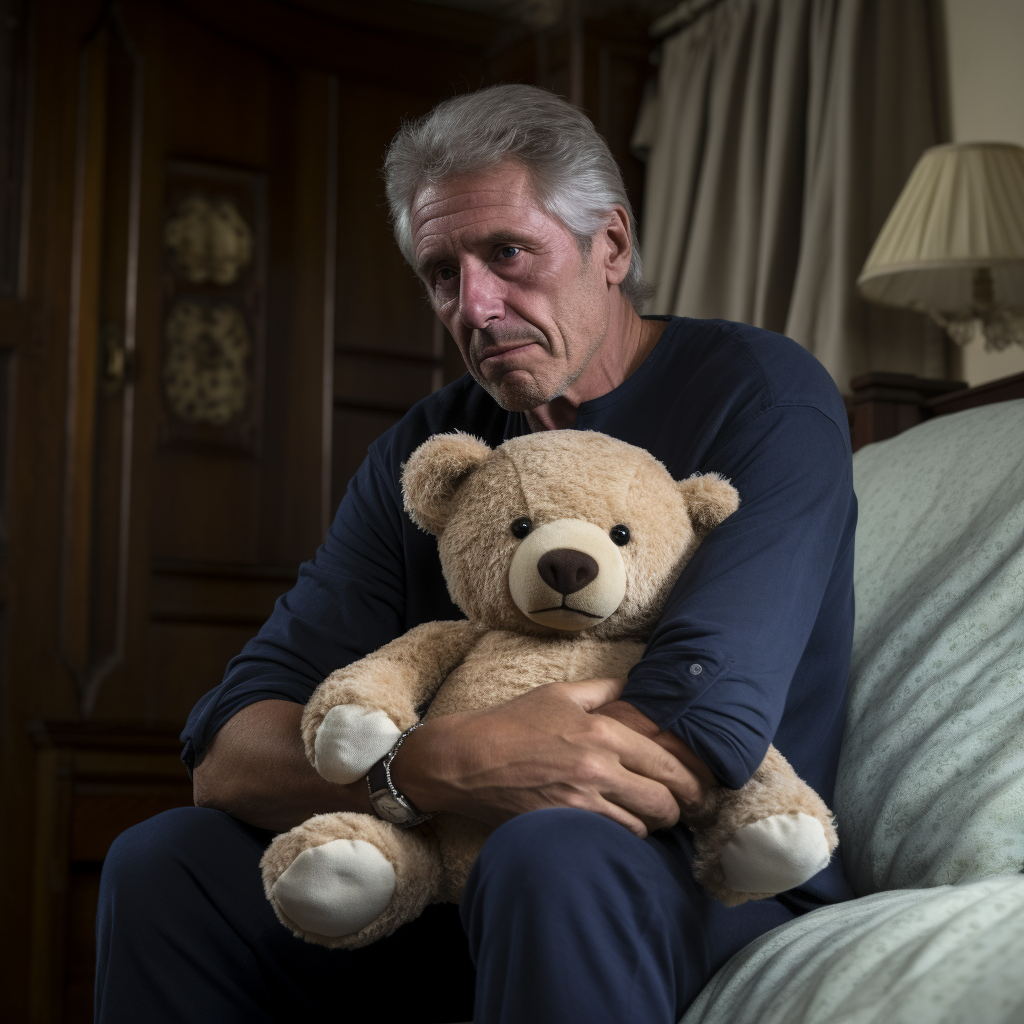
(103, 266)
(1002, 390)
(93, 780)
(364, 43)
(216, 594)
(886, 404)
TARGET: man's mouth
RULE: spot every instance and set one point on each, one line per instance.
(501, 351)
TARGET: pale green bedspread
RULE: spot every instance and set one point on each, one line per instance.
(931, 784)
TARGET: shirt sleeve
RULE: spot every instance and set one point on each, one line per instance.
(718, 667)
(349, 600)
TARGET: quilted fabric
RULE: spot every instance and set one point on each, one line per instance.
(931, 777)
(947, 955)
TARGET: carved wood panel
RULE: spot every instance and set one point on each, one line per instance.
(214, 238)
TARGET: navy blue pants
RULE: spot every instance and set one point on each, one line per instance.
(567, 917)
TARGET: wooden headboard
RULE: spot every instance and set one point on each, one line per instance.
(885, 404)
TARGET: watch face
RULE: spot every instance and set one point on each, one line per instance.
(390, 809)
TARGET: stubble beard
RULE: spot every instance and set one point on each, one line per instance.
(525, 394)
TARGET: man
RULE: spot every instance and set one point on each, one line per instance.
(581, 907)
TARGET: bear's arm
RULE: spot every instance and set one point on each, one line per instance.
(395, 680)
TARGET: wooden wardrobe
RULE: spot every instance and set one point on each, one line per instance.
(203, 323)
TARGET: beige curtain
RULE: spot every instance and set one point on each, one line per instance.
(777, 140)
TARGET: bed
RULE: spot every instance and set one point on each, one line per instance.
(930, 795)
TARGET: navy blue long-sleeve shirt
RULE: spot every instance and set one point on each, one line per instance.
(765, 607)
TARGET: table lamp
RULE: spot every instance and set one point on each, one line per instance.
(953, 244)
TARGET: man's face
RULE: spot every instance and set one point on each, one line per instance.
(526, 309)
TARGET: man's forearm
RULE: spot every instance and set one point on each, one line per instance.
(257, 771)
(541, 749)
(545, 748)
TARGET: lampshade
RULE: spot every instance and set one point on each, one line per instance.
(954, 242)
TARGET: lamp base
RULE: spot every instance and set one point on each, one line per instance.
(997, 328)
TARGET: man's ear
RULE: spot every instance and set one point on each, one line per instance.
(619, 246)
(433, 474)
(709, 500)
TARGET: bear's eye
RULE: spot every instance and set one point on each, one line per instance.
(521, 527)
(619, 534)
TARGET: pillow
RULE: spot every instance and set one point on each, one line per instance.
(949, 955)
(931, 775)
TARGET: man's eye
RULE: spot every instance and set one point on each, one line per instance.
(506, 252)
(445, 274)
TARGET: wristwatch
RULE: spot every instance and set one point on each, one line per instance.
(387, 802)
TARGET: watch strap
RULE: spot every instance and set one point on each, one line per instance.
(388, 803)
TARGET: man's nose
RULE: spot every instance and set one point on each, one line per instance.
(481, 298)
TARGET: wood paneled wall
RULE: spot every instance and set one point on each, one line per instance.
(140, 548)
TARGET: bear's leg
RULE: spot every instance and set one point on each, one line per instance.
(345, 880)
(772, 835)
(774, 854)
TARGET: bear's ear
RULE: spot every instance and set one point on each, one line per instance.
(709, 500)
(433, 474)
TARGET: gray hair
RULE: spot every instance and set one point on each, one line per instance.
(574, 174)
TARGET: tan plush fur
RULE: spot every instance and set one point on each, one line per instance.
(413, 854)
(773, 789)
(468, 495)
(707, 502)
(395, 679)
(433, 476)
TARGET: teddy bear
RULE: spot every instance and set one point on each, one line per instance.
(560, 548)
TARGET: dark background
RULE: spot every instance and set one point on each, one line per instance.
(138, 550)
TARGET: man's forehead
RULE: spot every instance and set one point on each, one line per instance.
(466, 192)
(466, 211)
(474, 207)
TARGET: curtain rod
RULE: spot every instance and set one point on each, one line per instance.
(680, 17)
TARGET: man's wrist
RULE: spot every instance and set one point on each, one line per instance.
(388, 801)
(410, 769)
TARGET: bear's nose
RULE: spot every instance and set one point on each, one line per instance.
(567, 570)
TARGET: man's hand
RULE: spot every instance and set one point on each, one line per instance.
(545, 749)
(639, 722)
